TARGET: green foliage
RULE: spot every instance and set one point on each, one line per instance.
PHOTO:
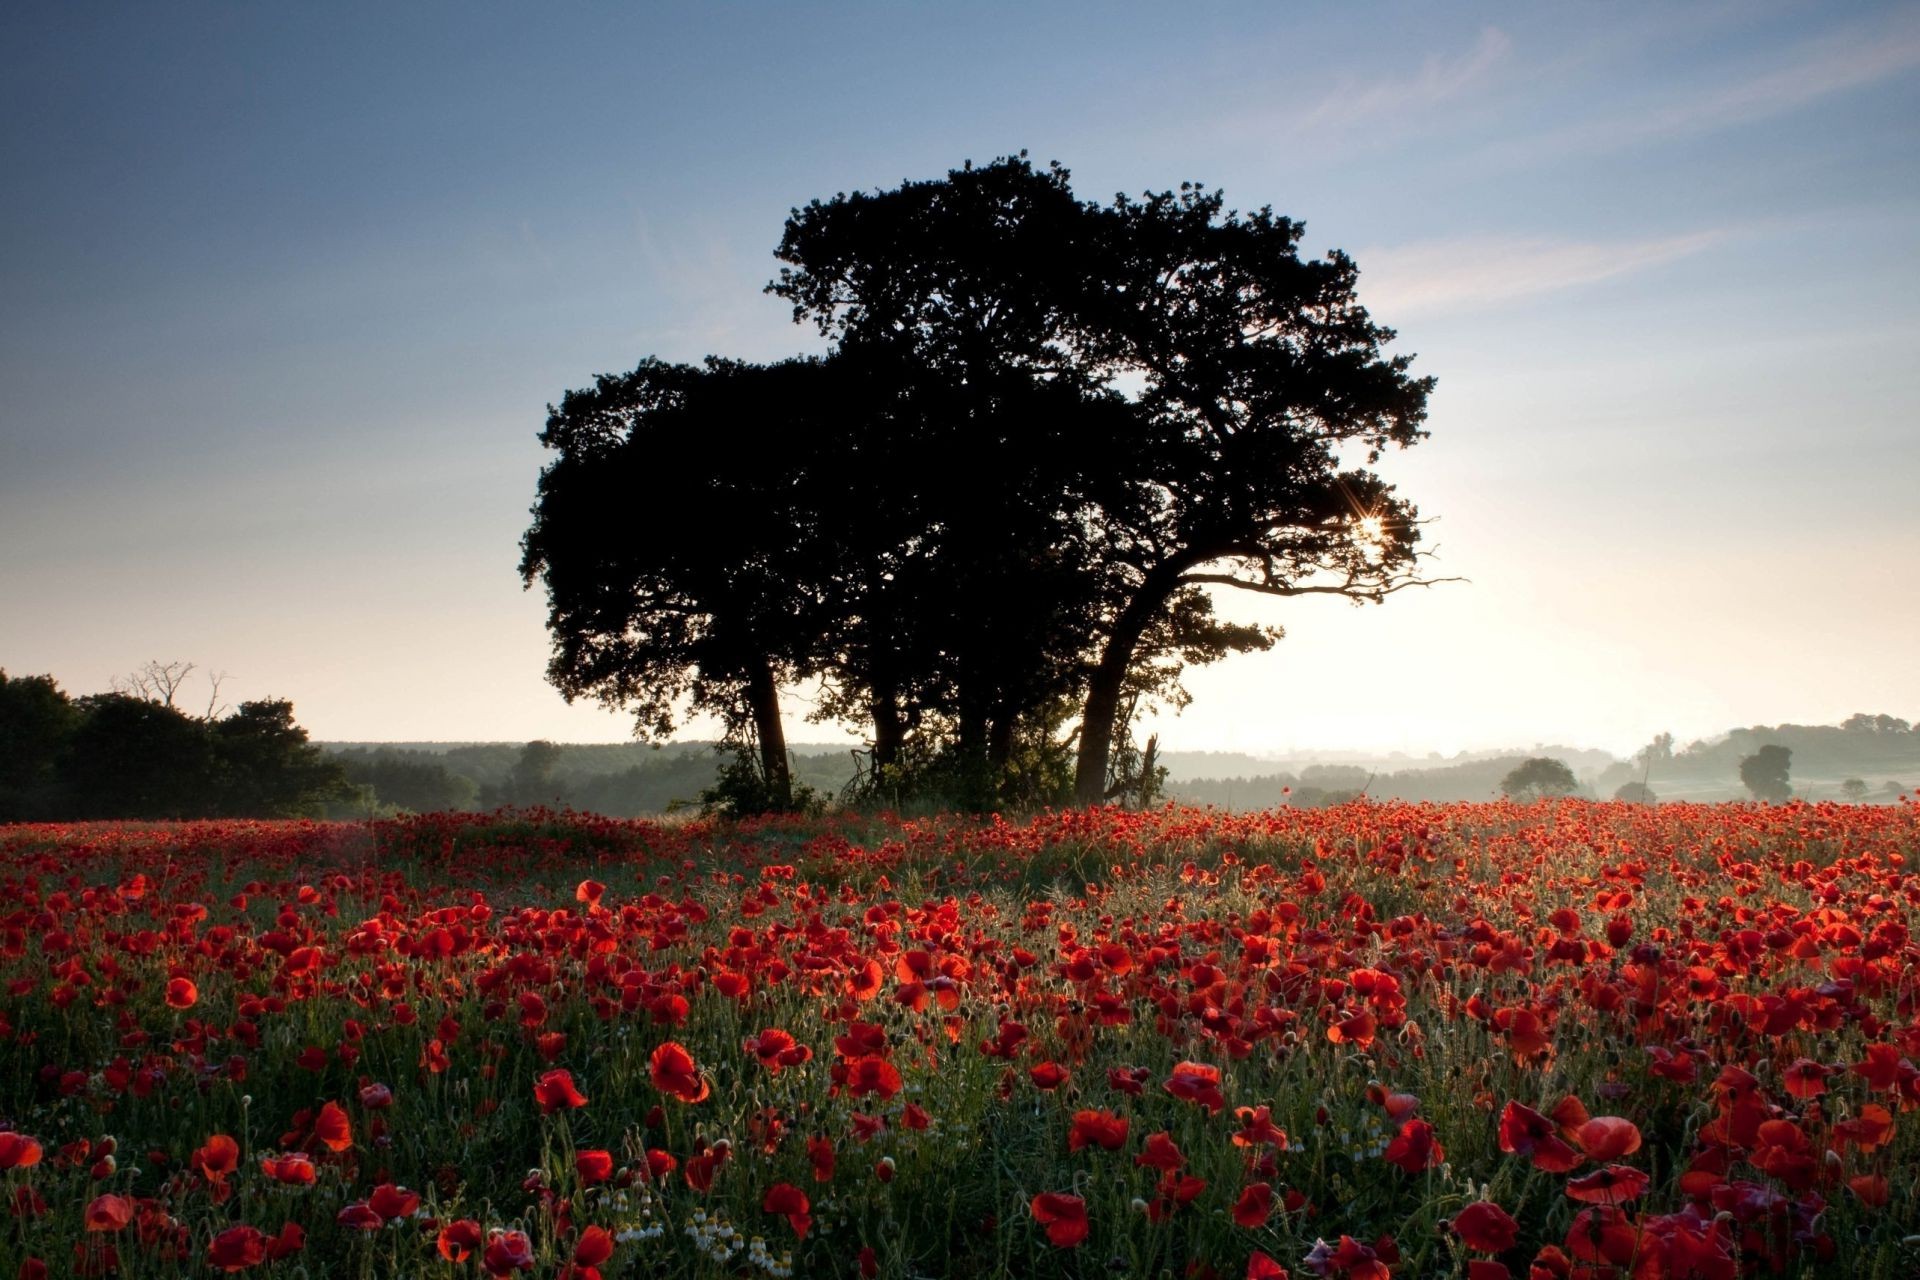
(1539, 776)
(1046, 429)
(128, 756)
(743, 787)
(1765, 773)
(37, 721)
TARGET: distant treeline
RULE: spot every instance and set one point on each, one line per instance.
(621, 780)
(133, 754)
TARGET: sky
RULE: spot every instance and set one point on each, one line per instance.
(285, 292)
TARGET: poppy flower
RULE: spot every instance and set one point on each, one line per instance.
(18, 1151)
(294, 1169)
(1064, 1217)
(237, 1249)
(1806, 1079)
(1525, 1132)
(1047, 1076)
(392, 1202)
(555, 1091)
(1199, 1083)
(1103, 1129)
(218, 1158)
(182, 994)
(1261, 1267)
(360, 1216)
(1615, 1184)
(1161, 1154)
(109, 1213)
(507, 1252)
(594, 1247)
(1254, 1206)
(291, 1240)
(870, 1075)
(1257, 1129)
(1415, 1149)
(820, 1155)
(1608, 1137)
(1486, 1228)
(332, 1129)
(674, 1073)
(460, 1239)
(784, 1198)
(593, 1165)
(776, 1048)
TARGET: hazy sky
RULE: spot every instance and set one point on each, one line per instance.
(284, 292)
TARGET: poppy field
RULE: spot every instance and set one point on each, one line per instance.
(1567, 1039)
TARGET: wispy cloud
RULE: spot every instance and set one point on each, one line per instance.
(1440, 80)
(1851, 58)
(1476, 272)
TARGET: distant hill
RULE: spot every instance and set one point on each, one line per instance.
(625, 779)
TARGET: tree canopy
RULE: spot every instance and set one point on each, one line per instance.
(129, 754)
(1048, 434)
(1765, 773)
(1540, 776)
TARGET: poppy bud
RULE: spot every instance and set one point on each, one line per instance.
(884, 1169)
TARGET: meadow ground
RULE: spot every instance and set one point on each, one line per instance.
(1565, 1040)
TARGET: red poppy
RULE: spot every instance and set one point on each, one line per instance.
(392, 1202)
(1415, 1149)
(182, 994)
(785, 1198)
(1064, 1217)
(109, 1213)
(1525, 1132)
(1257, 1129)
(776, 1049)
(332, 1129)
(294, 1169)
(237, 1249)
(820, 1155)
(507, 1252)
(1608, 1137)
(1254, 1206)
(460, 1239)
(594, 1247)
(1097, 1128)
(871, 1075)
(1615, 1184)
(218, 1158)
(18, 1151)
(1261, 1267)
(1486, 1227)
(593, 1165)
(555, 1091)
(1047, 1075)
(1198, 1083)
(1161, 1154)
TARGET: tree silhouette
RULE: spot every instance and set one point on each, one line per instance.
(1764, 773)
(1539, 776)
(1254, 370)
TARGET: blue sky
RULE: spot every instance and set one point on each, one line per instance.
(284, 293)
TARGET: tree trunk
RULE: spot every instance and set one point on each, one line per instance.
(763, 695)
(1000, 740)
(889, 729)
(1110, 677)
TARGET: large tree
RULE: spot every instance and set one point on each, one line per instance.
(1251, 376)
(670, 531)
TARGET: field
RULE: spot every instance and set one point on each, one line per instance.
(1565, 1040)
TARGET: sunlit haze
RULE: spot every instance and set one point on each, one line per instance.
(285, 292)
